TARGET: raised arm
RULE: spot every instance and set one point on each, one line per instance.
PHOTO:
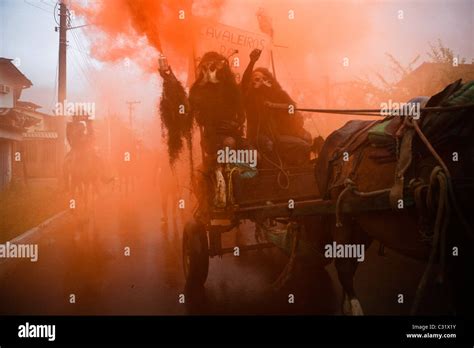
(245, 82)
(174, 100)
(175, 113)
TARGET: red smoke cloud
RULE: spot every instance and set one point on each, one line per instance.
(316, 40)
(139, 29)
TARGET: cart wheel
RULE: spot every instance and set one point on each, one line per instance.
(195, 254)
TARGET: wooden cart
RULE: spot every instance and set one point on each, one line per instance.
(265, 201)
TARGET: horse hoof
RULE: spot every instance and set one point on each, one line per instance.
(351, 306)
(346, 306)
(356, 307)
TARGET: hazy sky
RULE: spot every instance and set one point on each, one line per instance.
(27, 32)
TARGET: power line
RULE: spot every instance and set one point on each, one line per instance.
(85, 69)
(47, 4)
(78, 71)
(80, 61)
(81, 70)
(76, 49)
(87, 63)
(79, 52)
(38, 7)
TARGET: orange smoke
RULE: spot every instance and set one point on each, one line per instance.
(309, 48)
(140, 29)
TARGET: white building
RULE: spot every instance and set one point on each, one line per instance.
(13, 121)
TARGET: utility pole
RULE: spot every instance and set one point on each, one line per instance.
(130, 111)
(64, 26)
(62, 52)
(61, 122)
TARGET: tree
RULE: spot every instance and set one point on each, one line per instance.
(383, 89)
(442, 54)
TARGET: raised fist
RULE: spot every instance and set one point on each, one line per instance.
(165, 73)
(255, 54)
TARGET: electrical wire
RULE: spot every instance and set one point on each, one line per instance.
(38, 7)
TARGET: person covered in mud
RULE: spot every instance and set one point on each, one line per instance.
(215, 98)
(79, 134)
(215, 104)
(273, 131)
(80, 137)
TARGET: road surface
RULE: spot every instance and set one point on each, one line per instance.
(89, 259)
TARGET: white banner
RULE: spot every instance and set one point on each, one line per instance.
(224, 39)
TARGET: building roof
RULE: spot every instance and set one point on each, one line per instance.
(27, 105)
(34, 115)
(10, 73)
(40, 135)
(437, 70)
(19, 119)
(31, 112)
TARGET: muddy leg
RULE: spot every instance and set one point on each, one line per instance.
(346, 268)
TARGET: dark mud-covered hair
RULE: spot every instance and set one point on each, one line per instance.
(225, 74)
(226, 82)
(277, 91)
(175, 126)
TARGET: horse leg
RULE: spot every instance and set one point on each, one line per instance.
(346, 269)
(349, 233)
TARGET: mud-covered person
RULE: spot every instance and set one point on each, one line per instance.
(80, 137)
(215, 103)
(216, 100)
(276, 132)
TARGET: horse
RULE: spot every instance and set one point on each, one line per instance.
(438, 175)
(83, 170)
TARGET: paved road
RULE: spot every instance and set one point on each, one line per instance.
(87, 259)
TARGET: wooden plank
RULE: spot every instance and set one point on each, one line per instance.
(350, 205)
(263, 188)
